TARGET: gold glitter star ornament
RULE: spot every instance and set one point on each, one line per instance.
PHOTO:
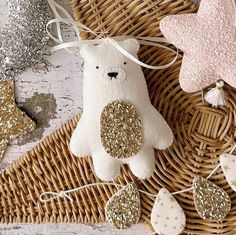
(13, 122)
(119, 125)
(123, 209)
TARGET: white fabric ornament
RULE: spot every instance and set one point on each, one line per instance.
(167, 217)
(118, 125)
(228, 165)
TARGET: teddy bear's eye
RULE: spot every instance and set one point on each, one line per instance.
(125, 62)
(97, 67)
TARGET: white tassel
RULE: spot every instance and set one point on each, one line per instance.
(216, 96)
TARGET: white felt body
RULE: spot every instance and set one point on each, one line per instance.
(228, 165)
(99, 91)
(167, 216)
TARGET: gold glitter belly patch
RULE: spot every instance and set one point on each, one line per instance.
(121, 129)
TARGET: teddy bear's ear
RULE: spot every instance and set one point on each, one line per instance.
(131, 45)
(86, 50)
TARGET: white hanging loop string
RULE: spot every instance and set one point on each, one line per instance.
(183, 191)
(137, 61)
(61, 194)
(149, 41)
(77, 26)
(55, 7)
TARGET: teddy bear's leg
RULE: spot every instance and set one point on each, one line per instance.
(106, 167)
(79, 144)
(142, 165)
(156, 130)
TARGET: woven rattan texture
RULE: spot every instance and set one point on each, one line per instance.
(201, 135)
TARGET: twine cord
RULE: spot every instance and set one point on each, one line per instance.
(62, 194)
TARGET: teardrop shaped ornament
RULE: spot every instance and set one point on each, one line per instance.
(211, 202)
(123, 209)
(167, 216)
(228, 165)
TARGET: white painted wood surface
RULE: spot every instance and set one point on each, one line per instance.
(64, 80)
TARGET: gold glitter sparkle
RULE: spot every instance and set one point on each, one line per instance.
(121, 129)
(3, 146)
(211, 202)
(123, 209)
(13, 122)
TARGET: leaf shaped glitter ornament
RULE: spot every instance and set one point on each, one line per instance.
(167, 216)
(211, 202)
(228, 165)
(123, 209)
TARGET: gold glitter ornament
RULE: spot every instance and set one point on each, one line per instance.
(121, 129)
(211, 202)
(3, 146)
(13, 122)
(123, 209)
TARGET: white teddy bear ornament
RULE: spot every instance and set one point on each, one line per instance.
(119, 125)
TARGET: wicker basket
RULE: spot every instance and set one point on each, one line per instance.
(201, 133)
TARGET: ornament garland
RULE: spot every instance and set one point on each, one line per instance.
(123, 208)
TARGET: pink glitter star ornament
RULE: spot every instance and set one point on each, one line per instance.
(208, 40)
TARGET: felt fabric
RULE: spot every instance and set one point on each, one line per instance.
(228, 165)
(111, 78)
(208, 40)
(167, 216)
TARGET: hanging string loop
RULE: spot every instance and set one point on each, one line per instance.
(114, 41)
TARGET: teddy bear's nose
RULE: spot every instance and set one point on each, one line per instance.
(112, 75)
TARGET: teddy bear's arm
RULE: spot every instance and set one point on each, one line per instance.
(156, 130)
(79, 143)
